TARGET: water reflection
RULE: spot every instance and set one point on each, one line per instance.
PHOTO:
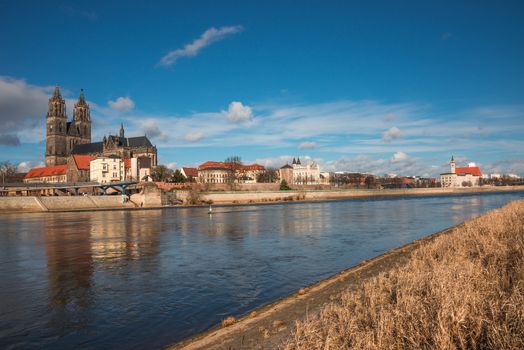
(149, 278)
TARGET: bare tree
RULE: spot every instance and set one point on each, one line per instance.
(268, 176)
(233, 165)
(162, 173)
(8, 171)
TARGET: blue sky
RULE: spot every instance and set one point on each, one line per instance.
(377, 86)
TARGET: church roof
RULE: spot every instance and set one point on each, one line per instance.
(190, 171)
(139, 141)
(83, 162)
(55, 170)
(88, 148)
(98, 147)
(473, 170)
(287, 166)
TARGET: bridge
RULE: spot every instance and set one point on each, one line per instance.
(65, 189)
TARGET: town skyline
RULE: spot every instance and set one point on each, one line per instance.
(230, 84)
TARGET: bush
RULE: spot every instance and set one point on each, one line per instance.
(284, 186)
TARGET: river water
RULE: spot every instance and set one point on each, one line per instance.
(146, 279)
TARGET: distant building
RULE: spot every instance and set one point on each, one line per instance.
(305, 174)
(49, 174)
(189, 173)
(107, 169)
(222, 172)
(69, 143)
(286, 173)
(62, 135)
(121, 146)
(461, 177)
(78, 168)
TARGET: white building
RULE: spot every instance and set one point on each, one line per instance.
(461, 177)
(305, 174)
(107, 169)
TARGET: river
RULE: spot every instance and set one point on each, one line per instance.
(146, 279)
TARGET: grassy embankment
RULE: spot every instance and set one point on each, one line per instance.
(462, 290)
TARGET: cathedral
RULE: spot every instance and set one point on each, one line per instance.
(68, 138)
(63, 135)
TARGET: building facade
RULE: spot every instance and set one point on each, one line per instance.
(62, 135)
(49, 174)
(107, 169)
(461, 176)
(121, 146)
(67, 142)
(305, 174)
(286, 173)
(222, 173)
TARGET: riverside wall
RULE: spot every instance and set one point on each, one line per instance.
(154, 198)
(277, 196)
(43, 204)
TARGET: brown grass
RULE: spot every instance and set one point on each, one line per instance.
(228, 321)
(462, 290)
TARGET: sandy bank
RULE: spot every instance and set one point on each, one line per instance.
(274, 325)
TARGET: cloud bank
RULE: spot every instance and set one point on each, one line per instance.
(210, 36)
(123, 104)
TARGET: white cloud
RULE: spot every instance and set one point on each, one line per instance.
(207, 38)
(400, 164)
(22, 108)
(123, 104)
(237, 112)
(274, 162)
(399, 157)
(171, 166)
(307, 145)
(194, 136)
(23, 167)
(391, 134)
(150, 128)
(504, 166)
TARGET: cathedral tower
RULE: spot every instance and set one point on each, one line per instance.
(79, 130)
(56, 130)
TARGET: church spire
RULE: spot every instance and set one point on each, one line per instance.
(122, 130)
(81, 99)
(56, 93)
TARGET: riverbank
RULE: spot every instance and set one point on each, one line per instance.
(248, 197)
(461, 286)
(154, 199)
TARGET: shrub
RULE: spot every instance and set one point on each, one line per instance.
(284, 186)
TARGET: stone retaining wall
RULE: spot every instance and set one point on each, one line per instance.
(10, 204)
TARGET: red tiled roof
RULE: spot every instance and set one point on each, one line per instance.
(224, 165)
(252, 167)
(474, 170)
(83, 162)
(55, 170)
(127, 163)
(191, 171)
(210, 164)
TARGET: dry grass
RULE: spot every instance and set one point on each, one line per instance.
(228, 321)
(463, 290)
